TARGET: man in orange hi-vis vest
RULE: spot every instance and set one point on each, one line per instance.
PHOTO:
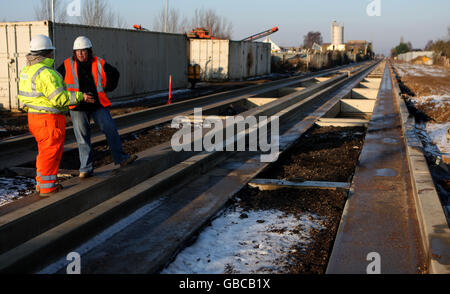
(91, 74)
(44, 96)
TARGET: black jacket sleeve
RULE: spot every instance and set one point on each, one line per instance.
(112, 77)
(62, 70)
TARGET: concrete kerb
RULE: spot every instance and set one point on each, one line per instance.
(433, 223)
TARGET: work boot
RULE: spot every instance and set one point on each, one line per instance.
(85, 175)
(129, 160)
(59, 187)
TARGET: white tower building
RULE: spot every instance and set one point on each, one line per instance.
(337, 33)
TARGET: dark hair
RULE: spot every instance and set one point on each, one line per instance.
(90, 54)
(43, 53)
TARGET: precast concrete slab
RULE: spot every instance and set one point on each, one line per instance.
(379, 229)
(360, 93)
(357, 106)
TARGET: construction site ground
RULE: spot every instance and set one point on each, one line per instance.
(426, 90)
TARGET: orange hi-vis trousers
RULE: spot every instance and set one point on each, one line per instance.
(49, 130)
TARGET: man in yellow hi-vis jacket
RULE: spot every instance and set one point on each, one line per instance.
(43, 94)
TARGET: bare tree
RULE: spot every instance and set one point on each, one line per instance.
(429, 45)
(100, 14)
(410, 47)
(311, 38)
(174, 21)
(207, 18)
(43, 11)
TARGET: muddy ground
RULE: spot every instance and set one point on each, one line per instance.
(425, 81)
(323, 154)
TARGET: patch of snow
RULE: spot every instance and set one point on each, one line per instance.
(439, 100)
(15, 188)
(419, 70)
(438, 135)
(434, 138)
(256, 243)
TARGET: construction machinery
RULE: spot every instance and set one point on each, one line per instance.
(201, 33)
(261, 35)
(139, 28)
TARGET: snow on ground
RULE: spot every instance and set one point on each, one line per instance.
(419, 70)
(439, 100)
(434, 137)
(15, 188)
(253, 244)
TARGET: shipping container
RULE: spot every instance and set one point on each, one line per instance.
(230, 60)
(144, 59)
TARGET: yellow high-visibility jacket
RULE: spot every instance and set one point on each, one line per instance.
(43, 90)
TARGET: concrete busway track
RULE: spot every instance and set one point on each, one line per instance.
(20, 150)
(48, 227)
(393, 208)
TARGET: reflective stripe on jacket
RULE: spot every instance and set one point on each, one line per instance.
(42, 89)
(98, 73)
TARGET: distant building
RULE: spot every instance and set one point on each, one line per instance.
(333, 47)
(274, 47)
(358, 46)
(337, 33)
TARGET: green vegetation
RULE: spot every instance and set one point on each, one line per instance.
(400, 49)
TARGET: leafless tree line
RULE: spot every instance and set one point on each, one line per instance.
(93, 13)
(202, 18)
(44, 10)
(100, 13)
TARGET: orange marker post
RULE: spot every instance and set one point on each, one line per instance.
(170, 90)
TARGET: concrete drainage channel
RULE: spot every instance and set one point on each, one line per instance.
(170, 219)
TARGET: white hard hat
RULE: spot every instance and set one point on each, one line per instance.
(82, 42)
(41, 42)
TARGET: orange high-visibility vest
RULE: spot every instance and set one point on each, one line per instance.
(98, 72)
